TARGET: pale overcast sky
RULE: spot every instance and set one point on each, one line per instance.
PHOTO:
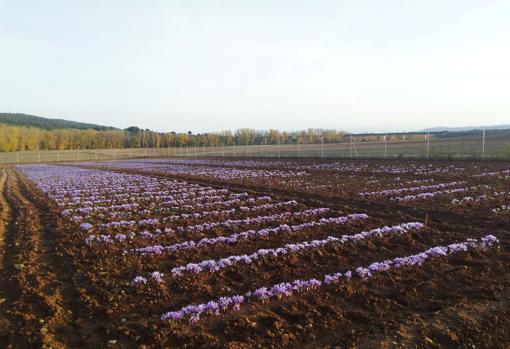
(213, 65)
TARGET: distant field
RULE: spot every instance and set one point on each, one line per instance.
(470, 147)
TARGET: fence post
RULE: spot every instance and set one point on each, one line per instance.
(385, 148)
(428, 145)
(483, 144)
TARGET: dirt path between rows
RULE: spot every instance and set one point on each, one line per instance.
(37, 294)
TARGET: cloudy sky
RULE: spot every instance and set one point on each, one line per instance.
(213, 65)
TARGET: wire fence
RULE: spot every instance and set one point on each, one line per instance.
(474, 147)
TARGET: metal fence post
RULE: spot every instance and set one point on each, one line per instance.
(428, 145)
(385, 148)
(483, 144)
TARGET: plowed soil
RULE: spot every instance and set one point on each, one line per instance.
(55, 292)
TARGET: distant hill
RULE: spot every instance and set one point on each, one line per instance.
(467, 128)
(16, 119)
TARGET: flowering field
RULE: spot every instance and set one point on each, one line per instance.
(255, 253)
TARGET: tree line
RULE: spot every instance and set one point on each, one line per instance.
(20, 138)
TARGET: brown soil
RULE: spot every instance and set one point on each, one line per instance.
(55, 292)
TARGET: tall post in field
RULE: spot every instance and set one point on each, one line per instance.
(483, 144)
(428, 145)
(352, 147)
(385, 148)
(322, 146)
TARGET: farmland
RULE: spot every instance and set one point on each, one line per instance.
(244, 252)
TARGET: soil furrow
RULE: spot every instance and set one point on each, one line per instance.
(35, 304)
(5, 323)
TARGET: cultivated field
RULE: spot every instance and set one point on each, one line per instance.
(255, 253)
